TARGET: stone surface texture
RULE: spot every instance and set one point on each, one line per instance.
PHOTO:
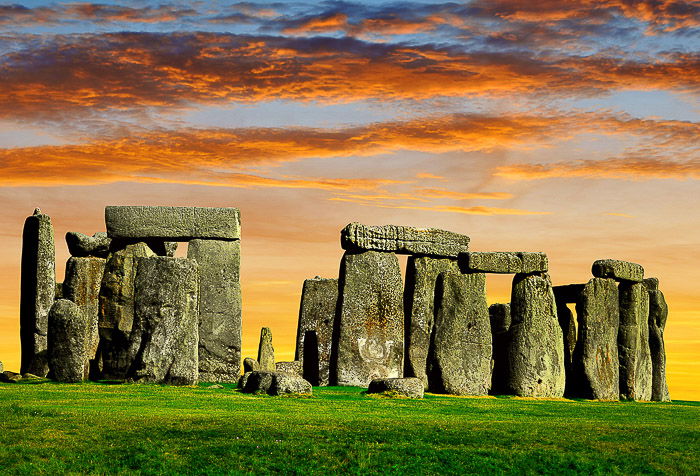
(369, 324)
(658, 314)
(173, 223)
(633, 342)
(459, 359)
(165, 331)
(419, 296)
(504, 262)
(250, 365)
(618, 270)
(319, 298)
(219, 308)
(67, 342)
(266, 353)
(274, 383)
(293, 367)
(411, 387)
(595, 361)
(81, 246)
(38, 288)
(536, 347)
(499, 317)
(403, 240)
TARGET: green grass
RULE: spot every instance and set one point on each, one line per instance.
(48, 428)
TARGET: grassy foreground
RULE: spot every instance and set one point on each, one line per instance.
(98, 428)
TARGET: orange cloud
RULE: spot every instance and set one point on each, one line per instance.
(441, 193)
(319, 24)
(484, 211)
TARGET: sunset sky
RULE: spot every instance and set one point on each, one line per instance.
(565, 127)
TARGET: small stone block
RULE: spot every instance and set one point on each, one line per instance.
(411, 387)
(503, 262)
(618, 270)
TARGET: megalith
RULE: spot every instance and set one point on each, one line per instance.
(536, 346)
(38, 289)
(165, 338)
(658, 314)
(563, 295)
(618, 270)
(503, 262)
(403, 240)
(319, 299)
(266, 353)
(219, 308)
(499, 317)
(67, 341)
(419, 296)
(459, 358)
(633, 342)
(369, 323)
(81, 245)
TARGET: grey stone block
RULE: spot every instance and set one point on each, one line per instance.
(81, 246)
(293, 367)
(658, 314)
(618, 270)
(266, 353)
(410, 387)
(633, 342)
(67, 342)
(250, 365)
(274, 383)
(403, 240)
(503, 262)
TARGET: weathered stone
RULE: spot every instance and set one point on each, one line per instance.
(319, 298)
(219, 308)
(411, 387)
(28, 376)
(499, 316)
(116, 313)
(595, 372)
(250, 365)
(81, 246)
(370, 319)
(652, 284)
(10, 377)
(67, 342)
(274, 383)
(243, 380)
(293, 367)
(266, 353)
(503, 262)
(59, 291)
(658, 314)
(459, 359)
(403, 240)
(166, 318)
(215, 386)
(633, 342)
(2, 368)
(567, 323)
(82, 286)
(419, 296)
(38, 289)
(173, 223)
(618, 270)
(536, 350)
(568, 293)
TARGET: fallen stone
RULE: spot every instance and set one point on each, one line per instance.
(419, 296)
(403, 240)
(28, 376)
(216, 385)
(67, 342)
(274, 383)
(503, 262)
(536, 350)
(319, 298)
(410, 387)
(10, 377)
(250, 365)
(219, 308)
(266, 353)
(166, 319)
(618, 270)
(568, 293)
(499, 317)
(38, 290)
(81, 246)
(293, 367)
(459, 360)
(595, 360)
(633, 342)
(243, 380)
(173, 223)
(658, 315)
(370, 319)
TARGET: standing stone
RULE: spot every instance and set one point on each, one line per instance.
(67, 342)
(536, 350)
(499, 316)
(658, 314)
(403, 240)
(38, 288)
(596, 364)
(116, 314)
(82, 286)
(633, 342)
(459, 360)
(319, 298)
(419, 296)
(219, 308)
(369, 323)
(564, 295)
(250, 365)
(266, 353)
(166, 321)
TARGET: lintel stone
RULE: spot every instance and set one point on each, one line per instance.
(618, 270)
(503, 262)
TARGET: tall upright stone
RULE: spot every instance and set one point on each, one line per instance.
(67, 342)
(82, 286)
(166, 319)
(658, 314)
(319, 298)
(459, 359)
(596, 364)
(369, 323)
(419, 296)
(499, 315)
(266, 353)
(38, 288)
(536, 350)
(633, 342)
(219, 308)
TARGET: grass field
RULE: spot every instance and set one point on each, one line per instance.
(98, 428)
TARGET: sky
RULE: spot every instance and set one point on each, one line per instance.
(565, 127)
